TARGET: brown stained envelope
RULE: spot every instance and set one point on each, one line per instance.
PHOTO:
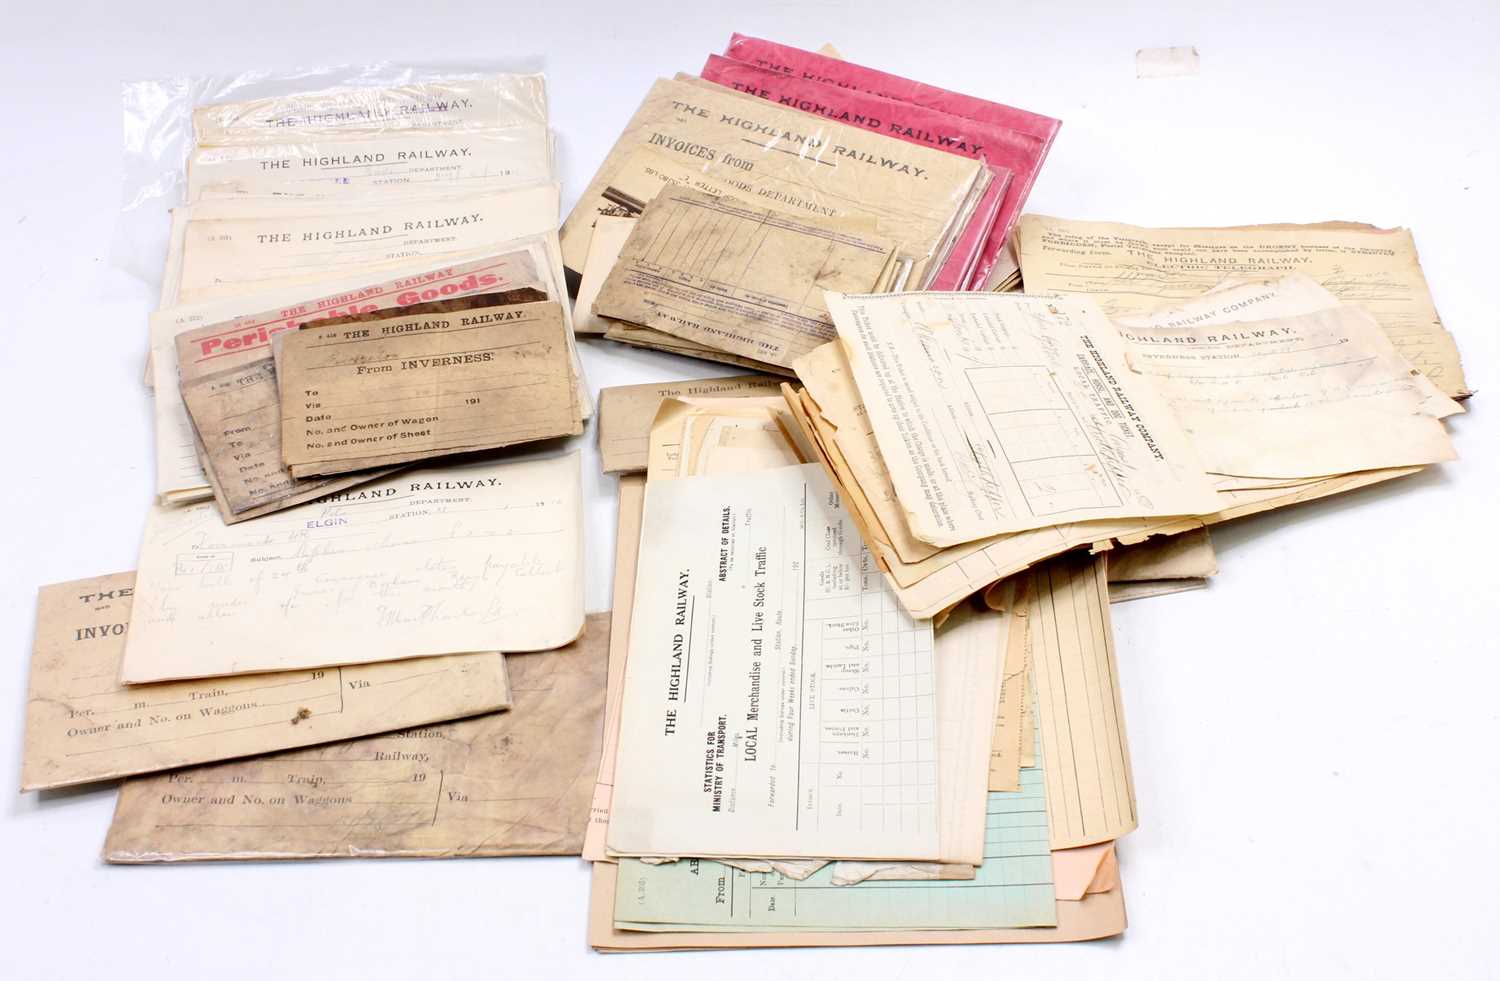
(512, 783)
(1090, 791)
(236, 416)
(739, 278)
(626, 413)
(1096, 916)
(1130, 270)
(82, 725)
(427, 384)
(627, 549)
(791, 157)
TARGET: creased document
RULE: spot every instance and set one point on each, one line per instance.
(1012, 888)
(1000, 412)
(511, 783)
(1090, 791)
(822, 167)
(227, 255)
(82, 725)
(1316, 395)
(777, 702)
(1131, 270)
(610, 235)
(429, 383)
(413, 162)
(475, 557)
(738, 277)
(627, 411)
(464, 104)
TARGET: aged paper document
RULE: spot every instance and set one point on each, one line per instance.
(1090, 791)
(512, 783)
(738, 277)
(1001, 412)
(1012, 888)
(610, 234)
(760, 634)
(1096, 916)
(626, 413)
(1314, 395)
(1014, 728)
(393, 163)
(1130, 270)
(228, 255)
(82, 725)
(195, 340)
(427, 384)
(473, 557)
(824, 168)
(466, 104)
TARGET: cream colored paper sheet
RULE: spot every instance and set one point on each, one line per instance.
(998, 413)
(82, 725)
(1090, 791)
(459, 104)
(352, 167)
(626, 413)
(692, 773)
(511, 783)
(1189, 555)
(480, 556)
(1131, 270)
(427, 384)
(738, 277)
(827, 168)
(225, 256)
(1012, 721)
(1314, 395)
(610, 233)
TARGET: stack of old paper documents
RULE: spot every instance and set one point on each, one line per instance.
(976, 435)
(790, 759)
(848, 175)
(356, 202)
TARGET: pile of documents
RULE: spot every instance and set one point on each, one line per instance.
(859, 684)
(718, 220)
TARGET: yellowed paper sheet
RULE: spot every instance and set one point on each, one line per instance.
(626, 413)
(465, 104)
(429, 383)
(225, 256)
(828, 168)
(713, 436)
(627, 548)
(82, 725)
(610, 233)
(738, 277)
(1090, 791)
(999, 413)
(478, 556)
(655, 340)
(1096, 916)
(1011, 718)
(355, 166)
(510, 783)
(1131, 270)
(1125, 592)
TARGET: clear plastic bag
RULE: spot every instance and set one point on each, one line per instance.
(163, 117)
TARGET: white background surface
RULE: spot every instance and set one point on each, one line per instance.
(1315, 736)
